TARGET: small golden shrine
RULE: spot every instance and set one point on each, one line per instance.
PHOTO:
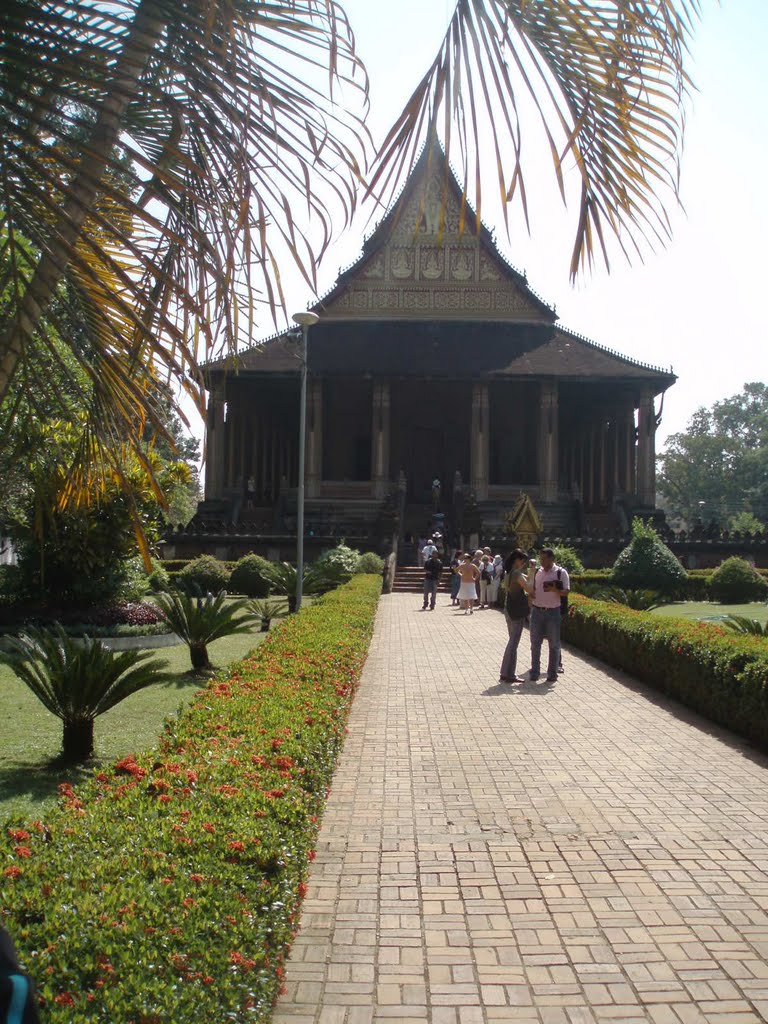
(524, 522)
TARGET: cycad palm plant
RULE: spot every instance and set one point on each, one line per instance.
(639, 600)
(78, 680)
(743, 624)
(198, 621)
(318, 578)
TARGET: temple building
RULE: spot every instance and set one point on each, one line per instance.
(432, 361)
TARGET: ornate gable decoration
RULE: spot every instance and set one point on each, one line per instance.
(524, 522)
(414, 271)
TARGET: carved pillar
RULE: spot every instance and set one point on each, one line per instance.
(314, 461)
(214, 445)
(480, 447)
(380, 438)
(646, 450)
(603, 442)
(548, 445)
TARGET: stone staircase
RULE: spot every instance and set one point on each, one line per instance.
(410, 580)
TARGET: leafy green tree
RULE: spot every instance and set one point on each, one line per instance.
(79, 550)
(718, 467)
(745, 522)
(78, 680)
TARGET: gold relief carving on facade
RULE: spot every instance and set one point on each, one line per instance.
(462, 265)
(432, 262)
(487, 270)
(447, 299)
(511, 300)
(344, 301)
(361, 299)
(415, 298)
(402, 261)
(376, 267)
(386, 298)
(475, 298)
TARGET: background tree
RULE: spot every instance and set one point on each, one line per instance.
(718, 467)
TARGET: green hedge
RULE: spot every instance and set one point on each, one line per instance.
(168, 888)
(695, 588)
(722, 675)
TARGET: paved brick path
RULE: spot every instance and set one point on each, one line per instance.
(580, 852)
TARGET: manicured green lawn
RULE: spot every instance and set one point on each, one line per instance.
(32, 735)
(707, 610)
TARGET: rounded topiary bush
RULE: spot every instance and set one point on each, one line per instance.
(159, 581)
(569, 559)
(369, 562)
(205, 574)
(251, 576)
(736, 582)
(341, 558)
(647, 563)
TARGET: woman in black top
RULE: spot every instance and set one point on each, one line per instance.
(515, 612)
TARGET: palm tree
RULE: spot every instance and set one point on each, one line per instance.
(318, 578)
(78, 680)
(198, 621)
(152, 155)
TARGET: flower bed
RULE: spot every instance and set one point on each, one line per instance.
(722, 675)
(168, 888)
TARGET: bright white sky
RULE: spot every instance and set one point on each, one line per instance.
(696, 306)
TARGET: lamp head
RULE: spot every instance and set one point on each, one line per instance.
(306, 319)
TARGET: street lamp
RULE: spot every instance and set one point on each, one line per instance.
(305, 321)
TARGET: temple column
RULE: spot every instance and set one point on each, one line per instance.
(547, 442)
(214, 445)
(646, 450)
(380, 439)
(480, 447)
(314, 459)
(603, 461)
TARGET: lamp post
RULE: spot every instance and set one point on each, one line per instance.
(305, 321)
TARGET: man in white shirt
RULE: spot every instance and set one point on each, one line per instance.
(550, 584)
(426, 551)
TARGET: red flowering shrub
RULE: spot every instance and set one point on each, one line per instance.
(168, 888)
(722, 675)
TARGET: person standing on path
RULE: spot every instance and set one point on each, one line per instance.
(550, 585)
(469, 574)
(515, 613)
(455, 578)
(433, 569)
(429, 548)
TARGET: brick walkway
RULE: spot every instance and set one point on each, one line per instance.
(587, 851)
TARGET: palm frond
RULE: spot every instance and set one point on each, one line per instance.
(198, 621)
(744, 624)
(152, 156)
(78, 680)
(604, 79)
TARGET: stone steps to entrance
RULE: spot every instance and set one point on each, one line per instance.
(410, 580)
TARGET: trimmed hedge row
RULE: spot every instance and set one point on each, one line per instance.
(722, 675)
(695, 588)
(168, 887)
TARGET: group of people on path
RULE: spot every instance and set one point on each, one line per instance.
(533, 593)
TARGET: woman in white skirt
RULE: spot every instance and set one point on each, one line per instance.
(469, 574)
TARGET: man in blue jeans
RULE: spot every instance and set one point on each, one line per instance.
(433, 569)
(550, 584)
